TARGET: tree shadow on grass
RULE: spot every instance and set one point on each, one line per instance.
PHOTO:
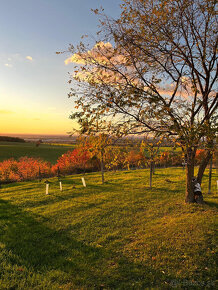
(9, 185)
(211, 204)
(39, 249)
(167, 189)
(65, 195)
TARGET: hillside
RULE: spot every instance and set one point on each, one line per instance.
(11, 139)
(119, 235)
(45, 151)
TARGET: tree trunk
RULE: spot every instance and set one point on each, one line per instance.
(210, 174)
(102, 169)
(153, 167)
(151, 171)
(203, 166)
(189, 198)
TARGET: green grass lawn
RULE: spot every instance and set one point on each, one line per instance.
(120, 235)
(45, 151)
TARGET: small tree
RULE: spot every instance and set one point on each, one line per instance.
(151, 151)
(97, 146)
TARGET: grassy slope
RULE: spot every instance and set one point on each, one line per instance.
(45, 151)
(119, 235)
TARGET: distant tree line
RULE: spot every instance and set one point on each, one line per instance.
(11, 139)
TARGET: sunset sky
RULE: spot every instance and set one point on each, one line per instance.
(33, 87)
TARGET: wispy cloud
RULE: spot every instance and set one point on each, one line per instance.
(6, 112)
(29, 57)
(12, 60)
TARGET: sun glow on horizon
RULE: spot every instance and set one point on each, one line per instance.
(34, 123)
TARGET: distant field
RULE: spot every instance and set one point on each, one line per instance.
(48, 152)
(177, 149)
(44, 151)
(120, 235)
(161, 149)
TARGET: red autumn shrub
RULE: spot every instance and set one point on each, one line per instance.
(134, 159)
(9, 170)
(29, 168)
(73, 161)
(25, 168)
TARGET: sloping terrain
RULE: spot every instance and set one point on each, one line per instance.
(120, 235)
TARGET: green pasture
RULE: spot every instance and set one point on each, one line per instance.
(45, 151)
(48, 152)
(120, 235)
(167, 148)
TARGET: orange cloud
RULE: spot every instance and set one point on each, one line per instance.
(114, 60)
(105, 55)
(99, 52)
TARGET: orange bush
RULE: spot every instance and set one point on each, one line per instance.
(73, 161)
(134, 159)
(25, 168)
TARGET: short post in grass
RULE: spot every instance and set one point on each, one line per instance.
(59, 179)
(61, 188)
(83, 181)
(184, 165)
(47, 187)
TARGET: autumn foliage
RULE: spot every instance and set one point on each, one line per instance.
(82, 159)
(23, 169)
(75, 161)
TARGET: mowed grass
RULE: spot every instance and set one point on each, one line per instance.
(120, 235)
(45, 151)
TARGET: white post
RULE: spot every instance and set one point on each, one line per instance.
(83, 180)
(47, 187)
(61, 189)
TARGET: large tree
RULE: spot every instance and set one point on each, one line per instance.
(153, 70)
